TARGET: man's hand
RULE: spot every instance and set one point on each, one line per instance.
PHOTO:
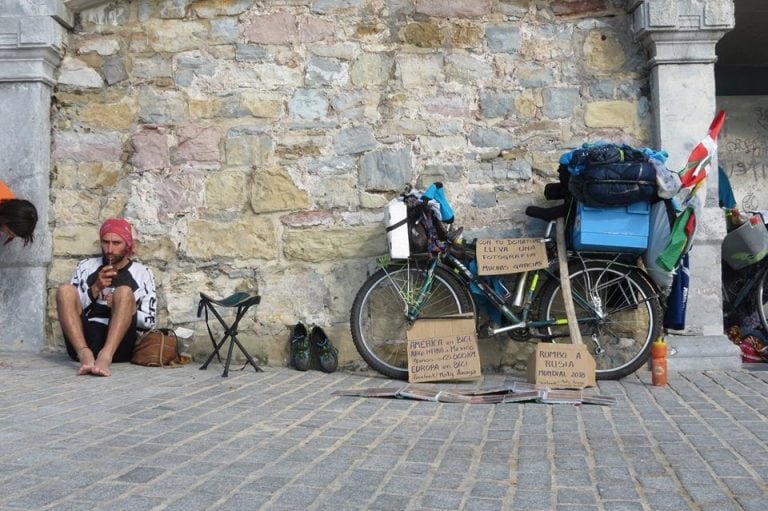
(106, 274)
(103, 281)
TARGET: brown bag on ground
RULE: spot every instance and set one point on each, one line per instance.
(157, 348)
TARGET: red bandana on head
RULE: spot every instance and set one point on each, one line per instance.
(120, 227)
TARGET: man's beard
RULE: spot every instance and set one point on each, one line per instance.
(116, 258)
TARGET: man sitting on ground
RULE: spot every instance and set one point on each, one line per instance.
(107, 300)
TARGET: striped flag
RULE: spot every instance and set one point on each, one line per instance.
(692, 195)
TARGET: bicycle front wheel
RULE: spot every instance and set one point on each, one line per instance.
(618, 312)
(379, 313)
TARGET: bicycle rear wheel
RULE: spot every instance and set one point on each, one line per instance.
(378, 319)
(622, 320)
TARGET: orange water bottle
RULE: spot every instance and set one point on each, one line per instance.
(659, 362)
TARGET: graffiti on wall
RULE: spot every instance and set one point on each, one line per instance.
(743, 149)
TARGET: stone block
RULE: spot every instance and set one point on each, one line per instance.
(226, 191)
(467, 69)
(275, 28)
(419, 70)
(197, 144)
(386, 170)
(211, 9)
(151, 149)
(117, 116)
(610, 114)
(371, 69)
(96, 175)
(453, 8)
(323, 71)
(331, 6)
(171, 195)
(332, 192)
(579, 7)
(318, 245)
(161, 106)
(114, 70)
(308, 104)
(226, 30)
(76, 240)
(75, 206)
(354, 140)
(312, 218)
(503, 39)
(274, 190)
(77, 74)
(247, 147)
(603, 51)
(173, 36)
(245, 238)
(465, 34)
(560, 103)
(424, 34)
(69, 145)
(192, 64)
(495, 103)
(204, 108)
(443, 146)
(491, 137)
(313, 29)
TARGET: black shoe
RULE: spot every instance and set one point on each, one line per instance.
(323, 351)
(300, 352)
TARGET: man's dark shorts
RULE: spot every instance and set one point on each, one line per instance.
(96, 335)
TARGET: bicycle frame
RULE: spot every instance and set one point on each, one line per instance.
(523, 297)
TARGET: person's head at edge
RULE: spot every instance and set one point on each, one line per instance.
(18, 219)
(116, 238)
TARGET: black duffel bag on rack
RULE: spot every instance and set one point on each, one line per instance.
(615, 184)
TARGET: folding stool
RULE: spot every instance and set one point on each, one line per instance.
(242, 301)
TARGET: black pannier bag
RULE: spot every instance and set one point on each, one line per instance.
(608, 175)
(615, 184)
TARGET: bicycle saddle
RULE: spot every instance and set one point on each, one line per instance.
(547, 214)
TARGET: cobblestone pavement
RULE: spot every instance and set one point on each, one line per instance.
(184, 439)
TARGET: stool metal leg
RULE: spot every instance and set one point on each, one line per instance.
(230, 333)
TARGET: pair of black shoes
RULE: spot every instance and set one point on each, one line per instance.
(312, 349)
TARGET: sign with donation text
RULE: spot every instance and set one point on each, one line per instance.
(513, 255)
(443, 349)
(561, 366)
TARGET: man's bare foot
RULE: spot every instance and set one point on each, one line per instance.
(87, 361)
(101, 367)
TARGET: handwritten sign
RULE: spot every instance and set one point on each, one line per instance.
(561, 366)
(742, 148)
(443, 349)
(514, 255)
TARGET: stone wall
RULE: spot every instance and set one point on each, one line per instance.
(254, 144)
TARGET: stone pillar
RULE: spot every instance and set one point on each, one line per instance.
(680, 36)
(31, 45)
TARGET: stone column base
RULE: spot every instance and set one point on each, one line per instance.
(702, 352)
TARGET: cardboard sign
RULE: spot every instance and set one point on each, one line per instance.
(561, 366)
(513, 255)
(443, 349)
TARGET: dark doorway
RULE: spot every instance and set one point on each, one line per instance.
(742, 54)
